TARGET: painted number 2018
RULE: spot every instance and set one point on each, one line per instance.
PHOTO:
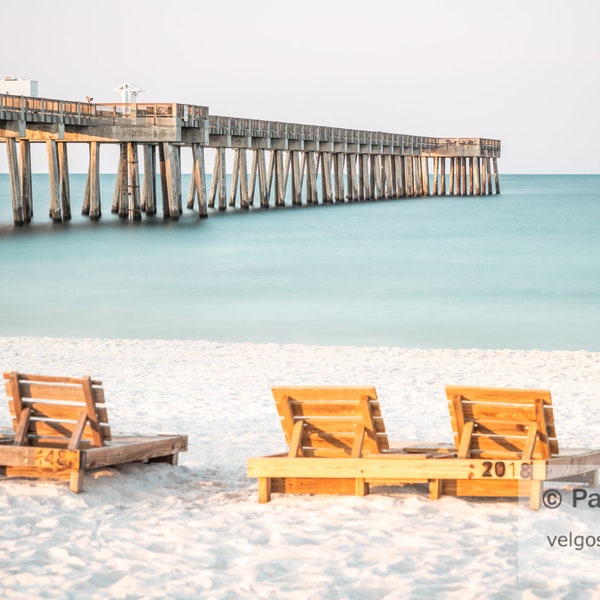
(499, 468)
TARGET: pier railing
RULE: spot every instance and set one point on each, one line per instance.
(236, 126)
(42, 110)
(191, 115)
(49, 110)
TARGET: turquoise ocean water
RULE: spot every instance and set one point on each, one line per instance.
(518, 270)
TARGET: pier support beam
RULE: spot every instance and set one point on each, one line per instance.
(279, 177)
(399, 174)
(375, 176)
(263, 183)
(218, 182)
(239, 179)
(364, 178)
(477, 176)
(172, 180)
(164, 188)
(198, 182)
(338, 177)
(134, 208)
(25, 178)
(484, 176)
(418, 176)
(312, 195)
(352, 186)
(65, 189)
(148, 200)
(488, 169)
(327, 193)
(54, 177)
(15, 182)
(408, 179)
(252, 178)
(470, 176)
(297, 177)
(91, 198)
(496, 175)
(443, 176)
(120, 201)
(388, 176)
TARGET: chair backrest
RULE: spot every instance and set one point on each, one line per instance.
(57, 411)
(502, 423)
(331, 418)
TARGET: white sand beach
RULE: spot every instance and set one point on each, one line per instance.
(196, 530)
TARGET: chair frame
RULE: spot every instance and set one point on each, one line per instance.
(508, 436)
(341, 460)
(61, 430)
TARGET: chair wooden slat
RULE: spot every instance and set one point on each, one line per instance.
(328, 408)
(59, 429)
(66, 412)
(54, 391)
(482, 395)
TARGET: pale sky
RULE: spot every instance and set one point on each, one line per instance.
(522, 71)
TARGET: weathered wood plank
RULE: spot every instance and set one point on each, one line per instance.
(126, 449)
(68, 391)
(148, 198)
(15, 181)
(53, 176)
(25, 179)
(65, 189)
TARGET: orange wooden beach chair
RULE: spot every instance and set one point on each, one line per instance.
(61, 430)
(505, 446)
(507, 437)
(337, 445)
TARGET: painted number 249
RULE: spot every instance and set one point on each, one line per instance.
(499, 468)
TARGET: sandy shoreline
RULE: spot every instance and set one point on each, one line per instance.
(196, 530)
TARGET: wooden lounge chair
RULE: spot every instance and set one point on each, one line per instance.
(61, 430)
(337, 445)
(508, 439)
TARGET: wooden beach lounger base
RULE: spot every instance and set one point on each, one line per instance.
(61, 430)
(443, 473)
(71, 465)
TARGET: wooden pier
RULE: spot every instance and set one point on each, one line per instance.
(271, 160)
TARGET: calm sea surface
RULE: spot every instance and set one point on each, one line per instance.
(518, 270)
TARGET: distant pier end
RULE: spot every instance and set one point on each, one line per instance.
(272, 161)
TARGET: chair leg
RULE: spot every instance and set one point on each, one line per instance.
(435, 489)
(590, 478)
(264, 490)
(535, 498)
(76, 480)
(170, 459)
(361, 487)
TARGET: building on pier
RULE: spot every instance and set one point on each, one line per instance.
(17, 86)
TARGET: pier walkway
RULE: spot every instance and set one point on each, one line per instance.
(288, 161)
